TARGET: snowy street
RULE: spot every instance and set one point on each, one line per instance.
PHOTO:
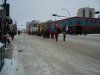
(34, 55)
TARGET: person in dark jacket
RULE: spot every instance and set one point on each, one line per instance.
(56, 35)
(64, 35)
(18, 32)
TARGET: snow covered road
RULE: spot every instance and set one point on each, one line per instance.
(78, 55)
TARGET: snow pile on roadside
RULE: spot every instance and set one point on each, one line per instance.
(12, 66)
(8, 68)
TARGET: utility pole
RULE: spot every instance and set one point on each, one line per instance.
(3, 18)
(55, 19)
(4, 5)
(67, 11)
(3, 21)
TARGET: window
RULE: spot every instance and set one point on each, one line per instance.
(83, 12)
(78, 23)
(86, 21)
(95, 21)
(91, 21)
(90, 14)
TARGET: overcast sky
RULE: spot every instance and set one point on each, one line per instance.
(23, 11)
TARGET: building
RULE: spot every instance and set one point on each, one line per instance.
(3, 29)
(32, 27)
(86, 12)
(99, 16)
(28, 26)
(43, 26)
(78, 25)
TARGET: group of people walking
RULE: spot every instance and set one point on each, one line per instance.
(54, 34)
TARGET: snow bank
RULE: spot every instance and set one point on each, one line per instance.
(12, 66)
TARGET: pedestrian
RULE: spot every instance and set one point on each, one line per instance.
(64, 35)
(12, 35)
(56, 35)
(52, 35)
(18, 32)
(29, 32)
(44, 34)
(85, 31)
(7, 36)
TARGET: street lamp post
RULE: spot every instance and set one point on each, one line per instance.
(68, 14)
(62, 16)
(67, 11)
(55, 18)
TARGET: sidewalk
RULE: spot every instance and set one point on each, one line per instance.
(9, 51)
(12, 65)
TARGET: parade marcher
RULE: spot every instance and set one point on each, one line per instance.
(52, 35)
(48, 33)
(18, 32)
(85, 31)
(29, 32)
(65, 29)
(12, 35)
(64, 35)
(56, 35)
(57, 31)
(52, 32)
(44, 34)
(11, 31)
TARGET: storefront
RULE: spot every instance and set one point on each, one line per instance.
(79, 25)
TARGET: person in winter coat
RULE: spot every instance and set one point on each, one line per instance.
(64, 35)
(56, 35)
(18, 32)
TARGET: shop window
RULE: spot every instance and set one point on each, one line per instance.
(86, 21)
(83, 12)
(78, 23)
(95, 21)
(91, 21)
(90, 14)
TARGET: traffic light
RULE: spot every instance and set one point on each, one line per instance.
(54, 14)
(97, 12)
